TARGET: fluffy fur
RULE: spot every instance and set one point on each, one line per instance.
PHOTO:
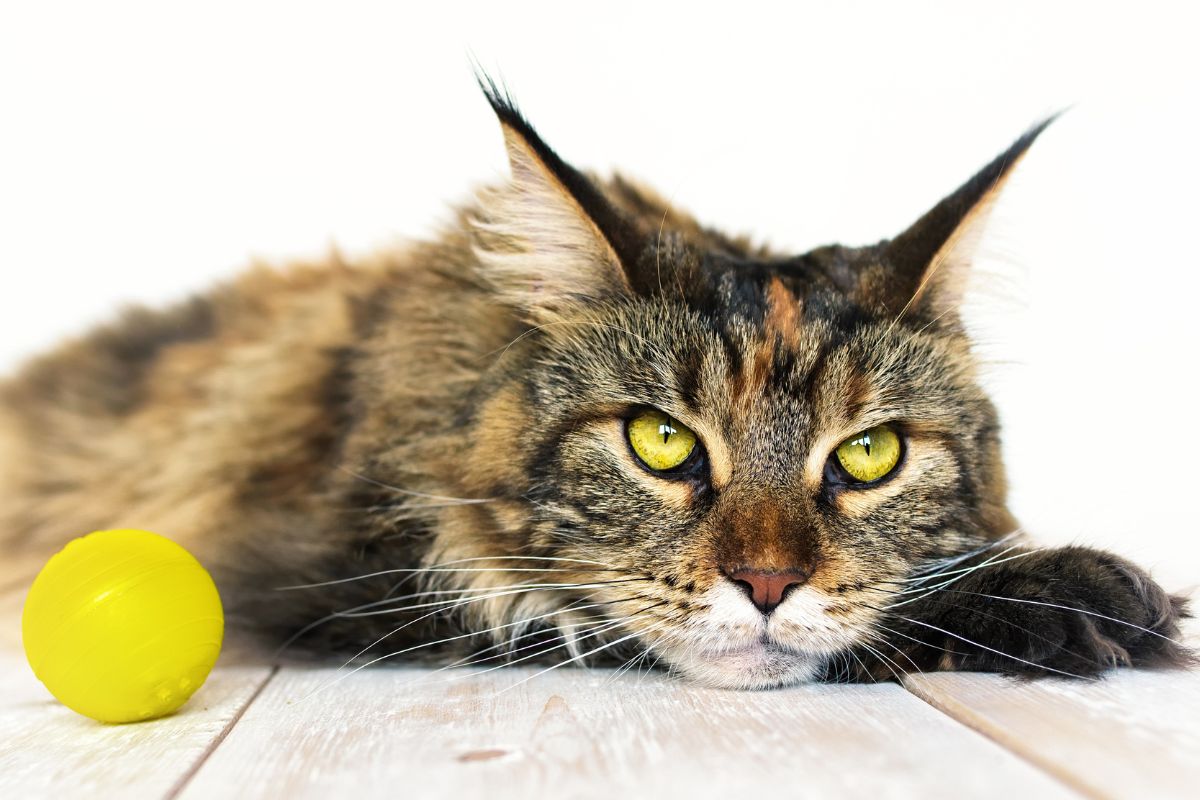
(432, 443)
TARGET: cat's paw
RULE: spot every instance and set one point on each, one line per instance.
(1071, 611)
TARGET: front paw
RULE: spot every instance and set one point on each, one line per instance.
(1071, 611)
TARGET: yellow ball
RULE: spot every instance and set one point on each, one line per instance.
(122, 625)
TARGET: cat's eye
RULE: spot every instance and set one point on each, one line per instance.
(870, 455)
(659, 440)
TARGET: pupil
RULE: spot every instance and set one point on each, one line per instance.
(866, 443)
(666, 430)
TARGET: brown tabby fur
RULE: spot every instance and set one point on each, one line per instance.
(461, 403)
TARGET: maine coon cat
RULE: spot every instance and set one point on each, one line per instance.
(578, 426)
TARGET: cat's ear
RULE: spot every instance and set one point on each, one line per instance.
(928, 264)
(549, 239)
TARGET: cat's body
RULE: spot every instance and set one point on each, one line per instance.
(456, 415)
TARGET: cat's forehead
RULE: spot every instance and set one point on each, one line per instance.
(784, 354)
(772, 294)
(768, 356)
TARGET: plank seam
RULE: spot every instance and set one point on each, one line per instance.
(187, 776)
(963, 715)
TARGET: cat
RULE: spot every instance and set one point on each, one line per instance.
(577, 426)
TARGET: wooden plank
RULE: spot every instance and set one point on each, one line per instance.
(11, 603)
(47, 750)
(1135, 734)
(573, 733)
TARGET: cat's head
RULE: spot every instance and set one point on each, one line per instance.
(740, 457)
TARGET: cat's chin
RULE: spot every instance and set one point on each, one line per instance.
(754, 666)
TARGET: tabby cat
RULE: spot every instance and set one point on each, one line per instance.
(579, 427)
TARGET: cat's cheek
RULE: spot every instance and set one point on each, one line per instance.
(501, 428)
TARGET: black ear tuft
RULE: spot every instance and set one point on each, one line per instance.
(550, 240)
(929, 261)
(502, 102)
(615, 229)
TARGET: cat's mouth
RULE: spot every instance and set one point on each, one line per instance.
(758, 664)
(734, 645)
(760, 650)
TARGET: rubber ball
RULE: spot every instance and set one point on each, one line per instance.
(122, 625)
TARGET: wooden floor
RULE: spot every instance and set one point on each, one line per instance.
(294, 732)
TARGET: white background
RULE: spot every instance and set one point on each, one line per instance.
(148, 149)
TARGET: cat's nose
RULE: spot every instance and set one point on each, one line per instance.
(767, 589)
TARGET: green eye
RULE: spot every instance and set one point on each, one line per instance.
(660, 441)
(871, 454)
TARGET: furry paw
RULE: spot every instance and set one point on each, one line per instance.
(1071, 611)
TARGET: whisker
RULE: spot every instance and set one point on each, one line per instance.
(926, 591)
(888, 664)
(866, 671)
(635, 659)
(598, 566)
(408, 509)
(411, 493)
(563, 640)
(990, 561)
(452, 604)
(579, 657)
(339, 678)
(494, 629)
(439, 606)
(976, 644)
(950, 561)
(982, 613)
(501, 591)
(566, 641)
(1067, 608)
(843, 672)
(436, 568)
(376, 660)
(880, 639)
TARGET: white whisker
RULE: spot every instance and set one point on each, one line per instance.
(437, 568)
(1066, 608)
(976, 644)
(411, 493)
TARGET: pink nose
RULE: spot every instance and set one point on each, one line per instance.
(767, 589)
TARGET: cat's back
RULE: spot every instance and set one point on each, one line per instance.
(169, 418)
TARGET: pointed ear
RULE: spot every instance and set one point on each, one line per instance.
(549, 239)
(928, 264)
